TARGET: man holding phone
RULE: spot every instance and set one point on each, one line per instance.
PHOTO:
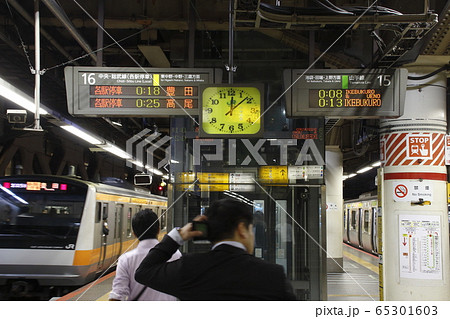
(228, 272)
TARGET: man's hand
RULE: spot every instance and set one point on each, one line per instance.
(186, 231)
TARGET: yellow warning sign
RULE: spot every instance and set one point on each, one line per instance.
(273, 174)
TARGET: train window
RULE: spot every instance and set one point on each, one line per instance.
(353, 220)
(163, 220)
(48, 217)
(118, 224)
(129, 216)
(105, 211)
(98, 210)
(366, 221)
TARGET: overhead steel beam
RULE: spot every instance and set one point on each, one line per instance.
(30, 19)
(64, 19)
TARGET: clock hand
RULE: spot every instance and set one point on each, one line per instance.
(231, 107)
(231, 110)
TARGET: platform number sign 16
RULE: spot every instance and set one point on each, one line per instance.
(88, 78)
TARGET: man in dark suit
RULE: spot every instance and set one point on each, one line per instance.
(228, 272)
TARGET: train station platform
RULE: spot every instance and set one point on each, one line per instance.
(358, 282)
(97, 290)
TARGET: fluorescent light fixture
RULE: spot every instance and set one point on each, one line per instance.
(18, 97)
(364, 169)
(344, 177)
(137, 163)
(154, 170)
(115, 150)
(116, 123)
(166, 176)
(376, 164)
(351, 175)
(81, 134)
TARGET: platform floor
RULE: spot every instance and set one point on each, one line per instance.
(359, 282)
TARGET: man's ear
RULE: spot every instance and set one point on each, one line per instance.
(242, 230)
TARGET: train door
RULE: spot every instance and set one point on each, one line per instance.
(117, 248)
(102, 214)
(360, 226)
(374, 229)
(365, 237)
(346, 223)
(129, 218)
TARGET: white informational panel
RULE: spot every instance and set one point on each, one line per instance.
(413, 191)
(305, 172)
(420, 247)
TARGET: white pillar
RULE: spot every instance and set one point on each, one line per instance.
(334, 197)
(414, 194)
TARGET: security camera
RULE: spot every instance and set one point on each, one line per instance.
(16, 116)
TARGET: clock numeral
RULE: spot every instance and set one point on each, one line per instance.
(253, 110)
(222, 126)
(231, 128)
(222, 95)
(250, 100)
(214, 101)
(249, 120)
(231, 92)
(209, 110)
(213, 120)
(241, 126)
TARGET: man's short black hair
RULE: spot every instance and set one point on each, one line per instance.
(145, 224)
(224, 216)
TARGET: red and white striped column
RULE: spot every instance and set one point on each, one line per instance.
(415, 223)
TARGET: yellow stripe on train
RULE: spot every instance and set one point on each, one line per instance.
(92, 256)
(126, 199)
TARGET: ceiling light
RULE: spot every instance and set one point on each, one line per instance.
(154, 170)
(116, 123)
(81, 134)
(351, 175)
(137, 163)
(115, 150)
(16, 96)
(364, 169)
(376, 164)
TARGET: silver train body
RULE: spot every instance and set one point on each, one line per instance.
(360, 223)
(62, 231)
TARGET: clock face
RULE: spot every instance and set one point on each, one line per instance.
(231, 110)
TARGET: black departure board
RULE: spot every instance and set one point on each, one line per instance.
(149, 92)
(349, 93)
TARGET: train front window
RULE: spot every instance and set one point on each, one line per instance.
(40, 215)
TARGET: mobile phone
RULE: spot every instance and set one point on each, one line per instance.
(201, 226)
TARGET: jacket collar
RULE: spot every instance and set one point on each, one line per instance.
(230, 247)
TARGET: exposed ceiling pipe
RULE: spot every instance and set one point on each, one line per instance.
(62, 16)
(30, 19)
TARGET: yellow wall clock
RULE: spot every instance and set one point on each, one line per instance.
(229, 110)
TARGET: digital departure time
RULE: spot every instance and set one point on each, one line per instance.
(346, 93)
